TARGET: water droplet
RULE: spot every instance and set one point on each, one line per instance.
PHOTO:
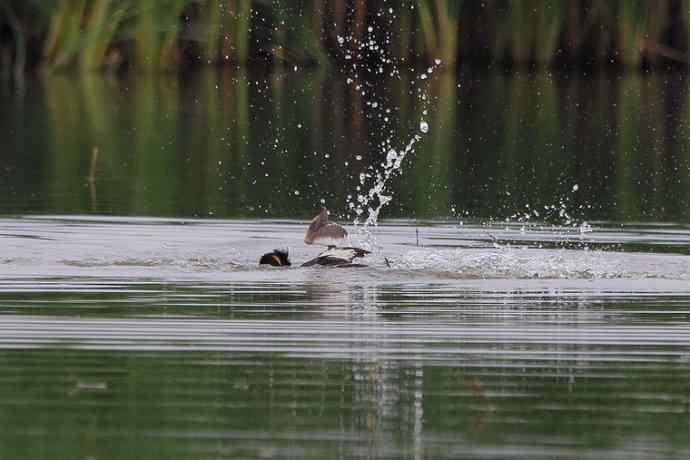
(296, 192)
(424, 127)
(358, 158)
(437, 61)
(392, 156)
(576, 188)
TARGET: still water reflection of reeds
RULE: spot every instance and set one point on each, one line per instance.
(274, 144)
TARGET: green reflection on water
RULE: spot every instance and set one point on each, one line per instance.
(273, 144)
(181, 405)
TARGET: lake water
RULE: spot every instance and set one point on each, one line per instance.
(529, 297)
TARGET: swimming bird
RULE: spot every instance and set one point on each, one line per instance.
(277, 258)
(338, 257)
(323, 232)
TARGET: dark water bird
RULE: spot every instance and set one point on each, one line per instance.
(338, 257)
(277, 258)
(323, 232)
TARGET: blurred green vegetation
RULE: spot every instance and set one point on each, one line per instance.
(160, 35)
(274, 143)
(156, 403)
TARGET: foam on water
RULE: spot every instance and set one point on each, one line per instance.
(229, 250)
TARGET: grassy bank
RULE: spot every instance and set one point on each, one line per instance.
(163, 35)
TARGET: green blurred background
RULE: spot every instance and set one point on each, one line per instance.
(167, 34)
(274, 144)
(242, 108)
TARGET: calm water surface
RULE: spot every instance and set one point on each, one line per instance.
(135, 322)
(268, 145)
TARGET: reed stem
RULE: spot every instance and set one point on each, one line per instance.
(155, 35)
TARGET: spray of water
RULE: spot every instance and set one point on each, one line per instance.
(559, 218)
(369, 57)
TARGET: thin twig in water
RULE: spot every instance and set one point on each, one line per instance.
(494, 240)
(417, 232)
(91, 178)
(94, 162)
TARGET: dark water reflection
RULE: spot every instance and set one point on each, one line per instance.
(267, 370)
(274, 144)
(215, 405)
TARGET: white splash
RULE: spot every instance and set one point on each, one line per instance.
(372, 193)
